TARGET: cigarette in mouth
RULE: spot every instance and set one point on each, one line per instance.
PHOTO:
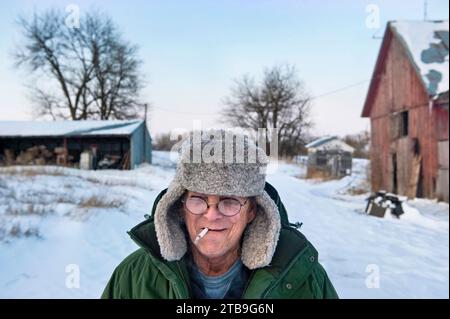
(201, 235)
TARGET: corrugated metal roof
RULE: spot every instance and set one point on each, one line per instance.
(330, 143)
(321, 141)
(67, 128)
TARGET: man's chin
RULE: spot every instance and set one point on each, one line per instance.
(212, 250)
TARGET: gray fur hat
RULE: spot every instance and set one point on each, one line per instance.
(220, 162)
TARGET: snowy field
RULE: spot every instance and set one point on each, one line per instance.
(56, 221)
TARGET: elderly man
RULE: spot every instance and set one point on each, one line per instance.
(219, 231)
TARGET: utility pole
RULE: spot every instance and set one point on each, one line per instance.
(146, 108)
(425, 9)
(145, 132)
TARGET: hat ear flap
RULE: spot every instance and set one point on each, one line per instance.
(170, 235)
(262, 234)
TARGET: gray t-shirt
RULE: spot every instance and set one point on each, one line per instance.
(230, 285)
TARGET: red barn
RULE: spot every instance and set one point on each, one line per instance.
(407, 103)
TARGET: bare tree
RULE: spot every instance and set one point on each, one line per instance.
(85, 72)
(279, 101)
(360, 142)
(163, 142)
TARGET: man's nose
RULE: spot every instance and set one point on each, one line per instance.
(213, 212)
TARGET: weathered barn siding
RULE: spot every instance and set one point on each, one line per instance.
(442, 179)
(441, 120)
(400, 89)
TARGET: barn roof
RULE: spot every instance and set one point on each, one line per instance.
(67, 128)
(426, 44)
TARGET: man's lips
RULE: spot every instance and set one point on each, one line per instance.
(216, 229)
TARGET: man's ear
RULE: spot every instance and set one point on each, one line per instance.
(251, 214)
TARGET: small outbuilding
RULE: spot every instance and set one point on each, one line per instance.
(85, 144)
(329, 157)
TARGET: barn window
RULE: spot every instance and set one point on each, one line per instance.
(399, 125)
(404, 123)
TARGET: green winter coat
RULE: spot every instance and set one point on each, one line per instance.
(293, 273)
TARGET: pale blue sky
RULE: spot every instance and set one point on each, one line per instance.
(192, 50)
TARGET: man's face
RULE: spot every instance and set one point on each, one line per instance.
(224, 232)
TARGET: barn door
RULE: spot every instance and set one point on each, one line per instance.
(415, 175)
(394, 174)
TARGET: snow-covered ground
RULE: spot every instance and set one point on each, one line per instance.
(55, 222)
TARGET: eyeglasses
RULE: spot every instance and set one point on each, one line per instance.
(227, 206)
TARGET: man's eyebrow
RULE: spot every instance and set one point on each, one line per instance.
(199, 195)
(220, 197)
(232, 197)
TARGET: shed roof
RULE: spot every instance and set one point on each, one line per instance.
(67, 128)
(320, 141)
(330, 143)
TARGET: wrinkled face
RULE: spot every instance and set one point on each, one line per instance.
(225, 232)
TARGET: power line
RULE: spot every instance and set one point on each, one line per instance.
(312, 98)
(181, 112)
(341, 89)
